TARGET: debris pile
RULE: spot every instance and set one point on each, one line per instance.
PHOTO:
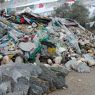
(39, 52)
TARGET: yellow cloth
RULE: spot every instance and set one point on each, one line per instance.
(51, 50)
(10, 56)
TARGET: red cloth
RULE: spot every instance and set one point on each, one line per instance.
(22, 20)
(41, 5)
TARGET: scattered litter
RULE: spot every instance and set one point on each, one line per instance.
(89, 59)
(43, 49)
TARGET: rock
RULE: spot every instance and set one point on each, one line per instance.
(79, 80)
(60, 69)
(35, 90)
(47, 75)
(32, 79)
(71, 64)
(6, 60)
(34, 70)
(46, 65)
(83, 68)
(59, 82)
(90, 51)
(17, 93)
(56, 65)
(61, 72)
(18, 74)
(65, 88)
(89, 59)
(19, 59)
(56, 80)
(2, 92)
(78, 66)
(20, 70)
(49, 61)
(58, 60)
(41, 83)
(6, 87)
(6, 79)
(27, 46)
(21, 87)
(23, 80)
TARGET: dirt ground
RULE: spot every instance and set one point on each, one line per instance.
(79, 84)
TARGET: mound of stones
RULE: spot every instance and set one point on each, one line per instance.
(30, 79)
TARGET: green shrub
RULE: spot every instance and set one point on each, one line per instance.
(76, 12)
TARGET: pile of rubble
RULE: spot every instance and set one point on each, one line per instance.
(53, 46)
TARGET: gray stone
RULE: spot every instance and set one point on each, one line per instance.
(48, 75)
(2, 92)
(34, 70)
(41, 83)
(77, 66)
(71, 64)
(5, 87)
(60, 69)
(24, 69)
(59, 82)
(89, 59)
(83, 68)
(19, 59)
(35, 90)
(56, 80)
(20, 73)
(23, 80)
(21, 87)
(6, 79)
(17, 93)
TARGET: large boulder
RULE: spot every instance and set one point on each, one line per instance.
(47, 75)
(35, 90)
(56, 80)
(5, 79)
(61, 72)
(41, 83)
(5, 87)
(2, 92)
(21, 87)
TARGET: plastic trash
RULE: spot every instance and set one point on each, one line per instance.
(83, 68)
(27, 46)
